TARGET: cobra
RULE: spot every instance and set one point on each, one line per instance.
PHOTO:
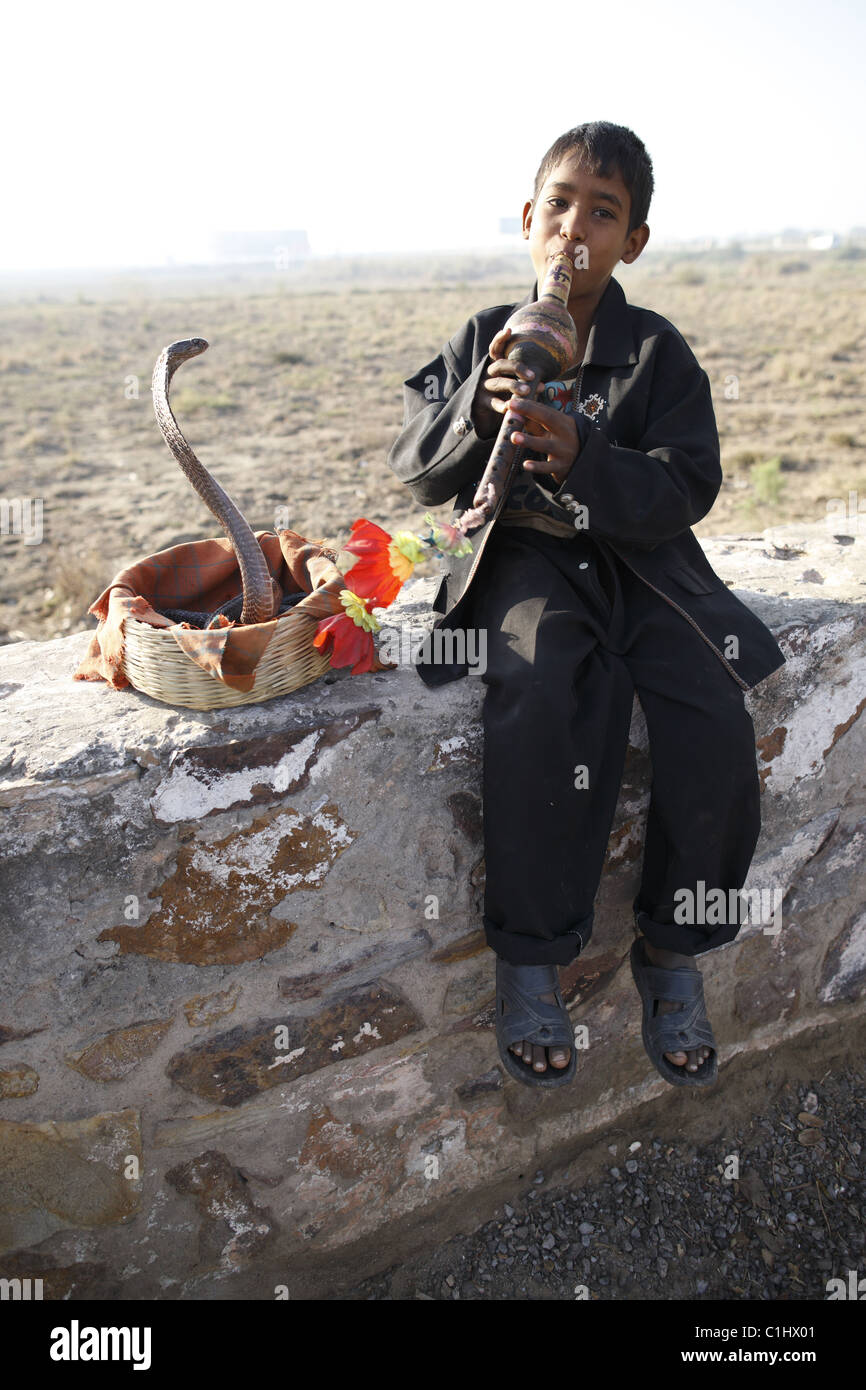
(260, 598)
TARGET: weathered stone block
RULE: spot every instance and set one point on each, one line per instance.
(272, 1052)
(64, 1174)
(116, 1053)
(234, 1230)
(17, 1080)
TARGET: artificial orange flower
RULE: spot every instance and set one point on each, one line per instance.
(384, 564)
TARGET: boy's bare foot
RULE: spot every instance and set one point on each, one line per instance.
(670, 960)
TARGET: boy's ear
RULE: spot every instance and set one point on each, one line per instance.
(635, 244)
(527, 219)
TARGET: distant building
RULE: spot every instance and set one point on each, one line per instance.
(251, 248)
(823, 242)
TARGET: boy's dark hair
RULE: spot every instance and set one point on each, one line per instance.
(605, 148)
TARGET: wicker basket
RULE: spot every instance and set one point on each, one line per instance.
(156, 665)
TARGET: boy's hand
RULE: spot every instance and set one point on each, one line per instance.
(494, 392)
(558, 433)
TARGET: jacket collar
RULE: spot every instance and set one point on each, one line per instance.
(611, 340)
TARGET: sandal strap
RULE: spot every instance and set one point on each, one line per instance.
(682, 1031)
(529, 1018)
(676, 1030)
(679, 985)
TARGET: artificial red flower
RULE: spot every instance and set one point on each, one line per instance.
(351, 635)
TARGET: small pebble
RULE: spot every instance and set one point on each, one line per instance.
(586, 1228)
(631, 1166)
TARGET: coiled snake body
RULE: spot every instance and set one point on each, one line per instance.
(259, 601)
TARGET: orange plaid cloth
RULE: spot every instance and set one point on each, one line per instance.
(203, 575)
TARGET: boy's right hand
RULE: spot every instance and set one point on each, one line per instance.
(497, 388)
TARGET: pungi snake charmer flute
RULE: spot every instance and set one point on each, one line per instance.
(543, 337)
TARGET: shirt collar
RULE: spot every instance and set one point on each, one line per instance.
(611, 341)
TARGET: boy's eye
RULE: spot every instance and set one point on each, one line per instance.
(561, 202)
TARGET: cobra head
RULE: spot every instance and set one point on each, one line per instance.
(185, 348)
(172, 356)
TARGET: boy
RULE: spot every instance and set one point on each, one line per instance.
(591, 586)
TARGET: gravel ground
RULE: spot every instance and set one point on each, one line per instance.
(664, 1222)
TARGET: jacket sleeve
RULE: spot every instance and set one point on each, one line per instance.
(657, 490)
(438, 451)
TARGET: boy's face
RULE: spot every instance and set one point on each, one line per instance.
(577, 209)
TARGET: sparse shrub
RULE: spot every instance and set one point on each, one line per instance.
(77, 579)
(843, 439)
(689, 275)
(190, 402)
(767, 481)
(793, 267)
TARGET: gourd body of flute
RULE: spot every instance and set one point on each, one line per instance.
(543, 337)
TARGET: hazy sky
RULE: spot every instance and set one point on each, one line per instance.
(133, 131)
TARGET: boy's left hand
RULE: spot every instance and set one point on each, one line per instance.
(558, 434)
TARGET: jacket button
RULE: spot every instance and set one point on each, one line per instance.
(584, 565)
(461, 426)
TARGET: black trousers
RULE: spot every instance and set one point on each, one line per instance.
(571, 634)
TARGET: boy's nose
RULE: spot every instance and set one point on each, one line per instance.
(572, 229)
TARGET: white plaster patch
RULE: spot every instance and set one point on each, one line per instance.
(626, 843)
(458, 748)
(187, 795)
(849, 855)
(798, 673)
(811, 727)
(451, 745)
(289, 1057)
(366, 1031)
(323, 765)
(852, 961)
(253, 855)
(778, 871)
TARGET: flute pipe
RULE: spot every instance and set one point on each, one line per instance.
(496, 478)
(545, 339)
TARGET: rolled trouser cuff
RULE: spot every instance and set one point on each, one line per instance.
(688, 941)
(535, 950)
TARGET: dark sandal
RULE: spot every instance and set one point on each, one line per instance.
(530, 1019)
(680, 1030)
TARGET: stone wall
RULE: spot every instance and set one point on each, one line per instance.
(246, 1025)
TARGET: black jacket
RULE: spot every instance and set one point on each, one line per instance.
(648, 468)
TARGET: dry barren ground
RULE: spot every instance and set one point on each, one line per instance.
(299, 398)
